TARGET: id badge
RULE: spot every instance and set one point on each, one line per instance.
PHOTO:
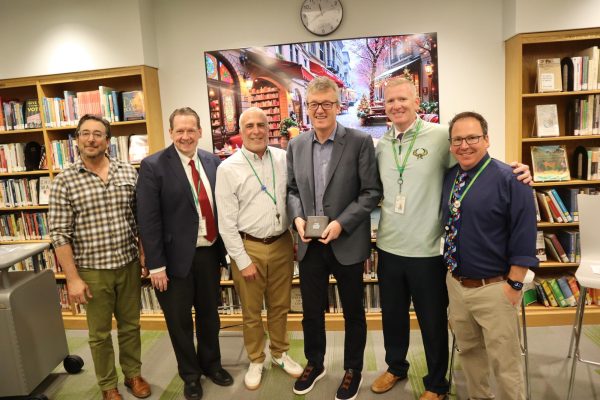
(203, 227)
(399, 204)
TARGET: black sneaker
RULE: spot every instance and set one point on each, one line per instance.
(309, 377)
(348, 389)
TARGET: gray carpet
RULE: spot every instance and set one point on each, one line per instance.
(549, 369)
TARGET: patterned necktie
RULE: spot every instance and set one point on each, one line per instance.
(453, 224)
(205, 209)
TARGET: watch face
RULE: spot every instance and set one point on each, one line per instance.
(321, 17)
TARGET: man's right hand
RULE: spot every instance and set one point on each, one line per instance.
(250, 272)
(78, 291)
(159, 280)
(300, 225)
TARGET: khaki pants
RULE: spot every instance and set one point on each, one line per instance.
(275, 266)
(114, 292)
(485, 325)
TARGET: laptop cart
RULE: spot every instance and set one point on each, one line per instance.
(32, 336)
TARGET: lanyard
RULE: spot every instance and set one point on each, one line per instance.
(196, 191)
(459, 199)
(262, 186)
(401, 168)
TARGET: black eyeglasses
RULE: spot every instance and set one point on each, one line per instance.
(469, 139)
(326, 105)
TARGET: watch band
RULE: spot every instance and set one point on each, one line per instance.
(516, 285)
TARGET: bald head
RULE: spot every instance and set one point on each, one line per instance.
(254, 128)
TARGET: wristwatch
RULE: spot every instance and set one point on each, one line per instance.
(516, 285)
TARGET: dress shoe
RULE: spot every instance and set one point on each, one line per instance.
(111, 394)
(139, 387)
(427, 395)
(385, 382)
(192, 390)
(221, 377)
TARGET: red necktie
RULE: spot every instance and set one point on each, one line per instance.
(211, 229)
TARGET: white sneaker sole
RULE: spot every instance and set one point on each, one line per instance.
(356, 395)
(317, 379)
(298, 375)
(249, 387)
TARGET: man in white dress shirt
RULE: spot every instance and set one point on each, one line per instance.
(253, 223)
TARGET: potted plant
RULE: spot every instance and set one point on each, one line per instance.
(284, 132)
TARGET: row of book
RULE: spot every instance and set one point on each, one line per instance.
(563, 246)
(582, 117)
(560, 291)
(130, 149)
(12, 157)
(15, 114)
(105, 102)
(46, 260)
(24, 192)
(23, 226)
(560, 205)
(576, 73)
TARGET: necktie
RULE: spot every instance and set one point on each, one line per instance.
(211, 229)
(453, 224)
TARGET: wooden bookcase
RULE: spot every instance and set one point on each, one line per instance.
(521, 54)
(273, 102)
(142, 78)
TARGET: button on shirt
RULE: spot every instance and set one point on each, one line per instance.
(497, 224)
(97, 219)
(321, 157)
(244, 206)
(185, 161)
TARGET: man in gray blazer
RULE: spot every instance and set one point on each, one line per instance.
(332, 172)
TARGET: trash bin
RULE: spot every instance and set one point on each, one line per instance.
(32, 336)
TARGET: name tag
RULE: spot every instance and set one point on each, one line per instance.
(203, 227)
(399, 204)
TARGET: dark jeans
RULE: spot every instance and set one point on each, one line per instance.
(423, 280)
(315, 268)
(200, 289)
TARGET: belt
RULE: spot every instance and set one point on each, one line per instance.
(267, 240)
(475, 283)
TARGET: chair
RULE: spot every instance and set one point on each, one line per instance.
(522, 343)
(589, 218)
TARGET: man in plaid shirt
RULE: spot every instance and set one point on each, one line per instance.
(93, 230)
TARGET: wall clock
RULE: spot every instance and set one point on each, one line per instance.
(321, 17)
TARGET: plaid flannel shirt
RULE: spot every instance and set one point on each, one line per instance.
(97, 219)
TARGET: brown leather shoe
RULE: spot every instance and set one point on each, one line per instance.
(427, 395)
(111, 394)
(139, 387)
(385, 382)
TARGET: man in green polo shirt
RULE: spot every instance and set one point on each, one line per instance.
(413, 157)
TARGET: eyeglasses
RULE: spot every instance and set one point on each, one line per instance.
(469, 139)
(326, 105)
(96, 134)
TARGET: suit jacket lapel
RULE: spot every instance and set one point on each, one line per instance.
(306, 153)
(336, 154)
(179, 173)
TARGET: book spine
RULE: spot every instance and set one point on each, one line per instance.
(558, 294)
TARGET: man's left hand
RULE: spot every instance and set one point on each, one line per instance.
(523, 173)
(331, 232)
(514, 296)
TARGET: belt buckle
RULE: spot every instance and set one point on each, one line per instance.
(460, 279)
(266, 240)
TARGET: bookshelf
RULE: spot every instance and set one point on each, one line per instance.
(521, 54)
(273, 102)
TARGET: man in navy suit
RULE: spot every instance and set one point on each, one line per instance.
(332, 172)
(177, 218)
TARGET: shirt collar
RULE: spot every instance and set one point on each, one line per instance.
(396, 132)
(330, 138)
(80, 166)
(252, 155)
(471, 173)
(185, 159)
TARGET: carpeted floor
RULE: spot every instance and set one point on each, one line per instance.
(549, 369)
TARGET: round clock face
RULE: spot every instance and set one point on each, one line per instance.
(321, 17)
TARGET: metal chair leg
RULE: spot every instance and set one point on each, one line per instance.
(577, 337)
(574, 326)
(451, 369)
(525, 350)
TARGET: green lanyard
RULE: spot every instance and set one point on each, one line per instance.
(262, 186)
(401, 168)
(196, 191)
(459, 199)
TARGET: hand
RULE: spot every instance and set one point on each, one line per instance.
(142, 260)
(522, 170)
(78, 291)
(300, 225)
(250, 272)
(331, 232)
(514, 296)
(159, 281)
(145, 272)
